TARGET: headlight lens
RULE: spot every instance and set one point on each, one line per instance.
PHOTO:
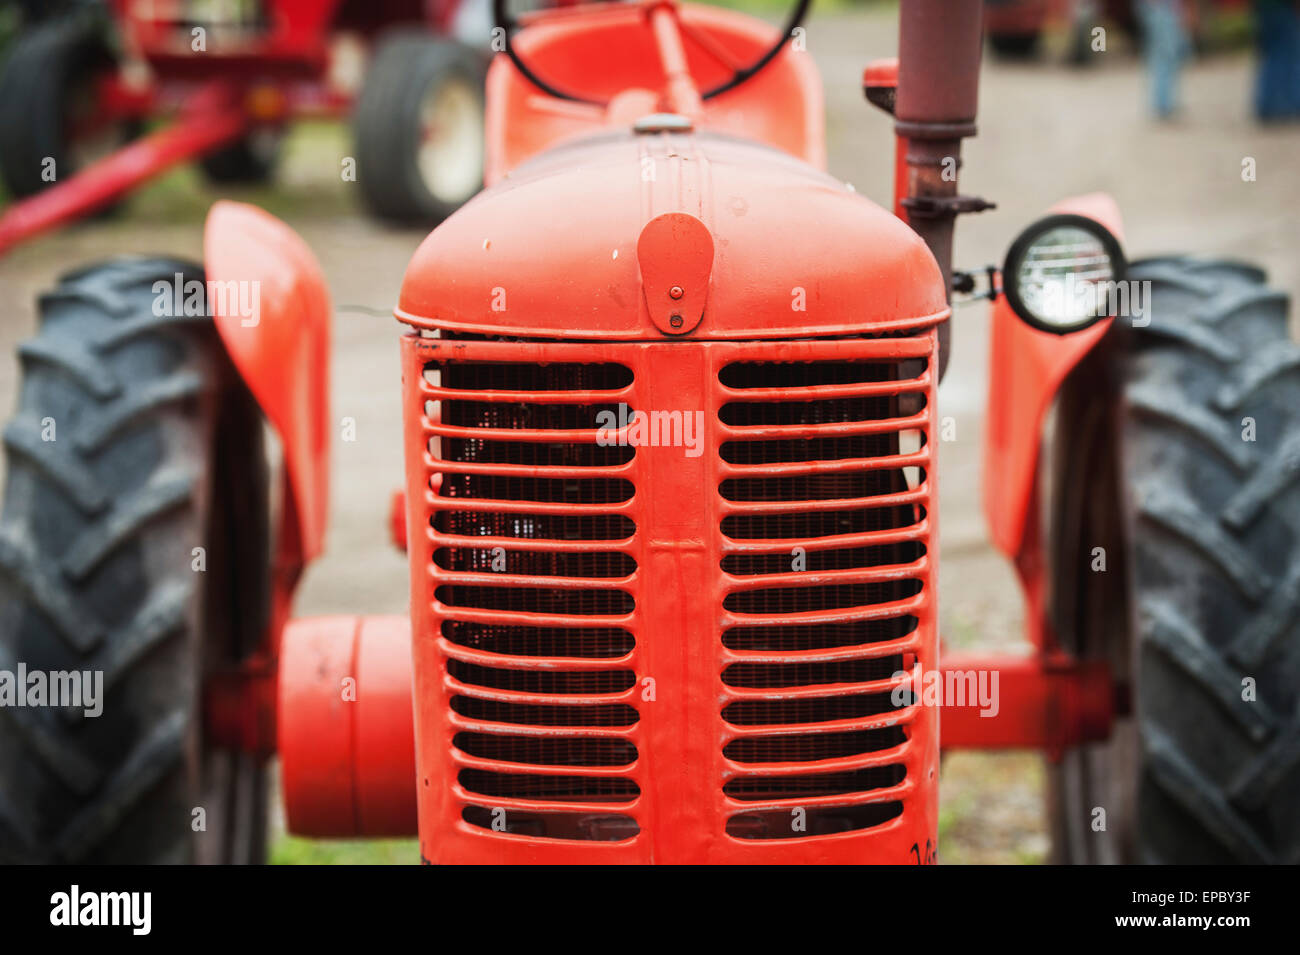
(1062, 273)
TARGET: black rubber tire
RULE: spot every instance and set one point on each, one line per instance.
(157, 449)
(387, 124)
(1015, 46)
(252, 160)
(39, 83)
(1205, 522)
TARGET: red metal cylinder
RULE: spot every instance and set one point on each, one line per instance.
(346, 730)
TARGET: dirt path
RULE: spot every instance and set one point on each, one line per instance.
(1045, 132)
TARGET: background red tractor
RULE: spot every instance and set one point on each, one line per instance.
(712, 643)
(78, 88)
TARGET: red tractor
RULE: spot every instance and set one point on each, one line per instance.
(230, 76)
(671, 433)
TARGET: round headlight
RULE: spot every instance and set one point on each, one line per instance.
(1063, 273)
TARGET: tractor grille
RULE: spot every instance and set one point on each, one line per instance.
(673, 651)
(823, 537)
(531, 537)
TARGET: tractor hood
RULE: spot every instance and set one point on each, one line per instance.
(660, 235)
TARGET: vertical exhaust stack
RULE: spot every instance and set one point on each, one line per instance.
(938, 89)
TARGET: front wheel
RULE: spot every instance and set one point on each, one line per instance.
(133, 558)
(1189, 480)
(418, 128)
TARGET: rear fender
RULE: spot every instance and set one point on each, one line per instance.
(1027, 369)
(272, 309)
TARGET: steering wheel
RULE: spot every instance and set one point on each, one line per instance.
(503, 21)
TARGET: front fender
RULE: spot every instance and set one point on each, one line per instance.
(1027, 369)
(275, 323)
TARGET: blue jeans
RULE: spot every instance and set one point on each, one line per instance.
(1166, 46)
(1277, 87)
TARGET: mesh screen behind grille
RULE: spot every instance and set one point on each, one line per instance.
(755, 788)
(584, 826)
(535, 399)
(543, 681)
(827, 636)
(799, 545)
(541, 714)
(543, 490)
(543, 751)
(794, 749)
(535, 600)
(538, 563)
(591, 642)
(549, 788)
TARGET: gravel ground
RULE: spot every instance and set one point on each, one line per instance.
(1045, 132)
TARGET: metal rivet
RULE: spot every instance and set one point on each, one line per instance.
(675, 292)
(675, 321)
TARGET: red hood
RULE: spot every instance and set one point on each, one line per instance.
(551, 249)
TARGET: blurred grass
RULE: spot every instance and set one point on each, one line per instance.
(991, 809)
(308, 182)
(290, 850)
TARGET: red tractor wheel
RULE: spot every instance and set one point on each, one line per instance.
(133, 544)
(52, 123)
(1187, 482)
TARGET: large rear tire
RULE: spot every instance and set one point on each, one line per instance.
(133, 542)
(1190, 480)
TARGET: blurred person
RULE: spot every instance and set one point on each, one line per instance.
(1166, 45)
(1277, 34)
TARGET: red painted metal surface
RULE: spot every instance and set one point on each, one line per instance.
(612, 54)
(797, 252)
(211, 118)
(349, 766)
(282, 354)
(273, 37)
(1046, 703)
(1027, 367)
(397, 519)
(675, 255)
(346, 731)
(616, 659)
(883, 75)
(680, 95)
